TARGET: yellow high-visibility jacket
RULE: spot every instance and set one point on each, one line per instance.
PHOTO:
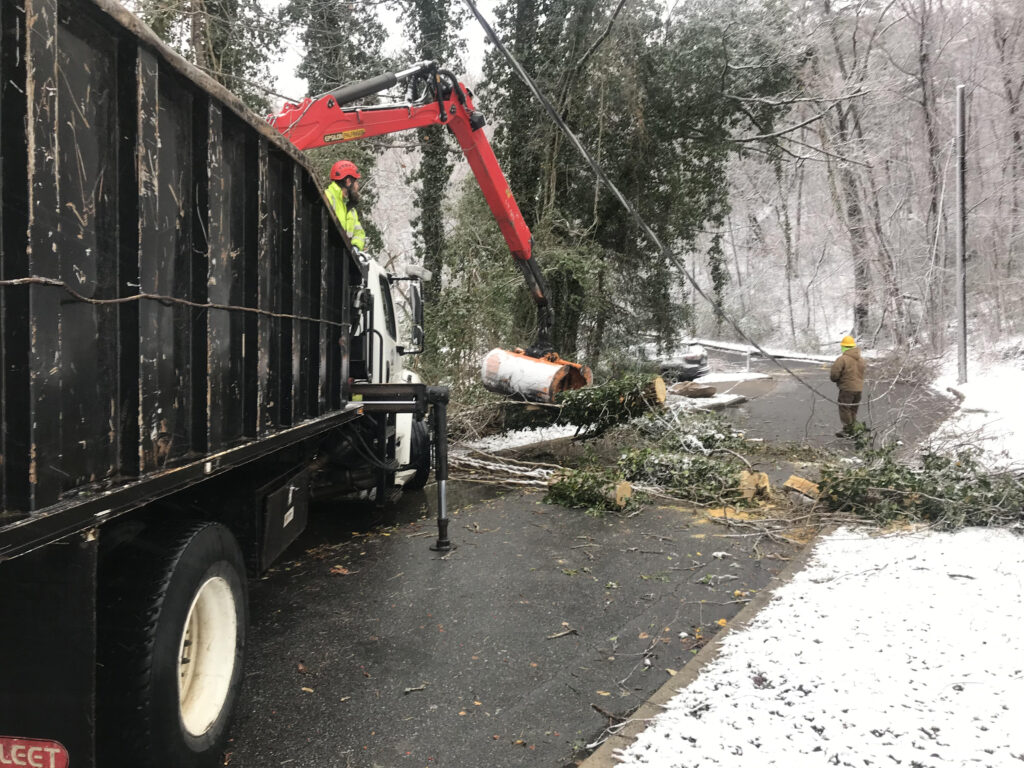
(348, 217)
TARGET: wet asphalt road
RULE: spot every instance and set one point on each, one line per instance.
(541, 616)
(790, 412)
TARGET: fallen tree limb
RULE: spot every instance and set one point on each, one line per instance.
(597, 408)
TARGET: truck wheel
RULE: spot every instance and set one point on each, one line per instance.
(172, 639)
(419, 456)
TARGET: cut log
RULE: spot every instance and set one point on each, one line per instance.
(612, 494)
(533, 378)
(620, 493)
(755, 485)
(692, 389)
(657, 389)
(802, 486)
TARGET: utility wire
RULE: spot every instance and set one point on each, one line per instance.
(599, 172)
(167, 300)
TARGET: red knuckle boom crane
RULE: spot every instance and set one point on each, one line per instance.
(537, 372)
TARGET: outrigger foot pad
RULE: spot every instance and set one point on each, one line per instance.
(443, 543)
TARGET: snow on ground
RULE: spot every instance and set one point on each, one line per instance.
(900, 650)
(650, 351)
(518, 438)
(991, 410)
(714, 403)
(730, 378)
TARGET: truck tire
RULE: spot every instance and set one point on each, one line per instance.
(172, 638)
(419, 456)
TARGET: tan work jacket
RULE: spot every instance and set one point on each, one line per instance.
(848, 371)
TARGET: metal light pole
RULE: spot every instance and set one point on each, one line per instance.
(961, 234)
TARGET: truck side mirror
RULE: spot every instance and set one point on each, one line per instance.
(419, 273)
(416, 305)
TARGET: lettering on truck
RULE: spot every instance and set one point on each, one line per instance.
(32, 753)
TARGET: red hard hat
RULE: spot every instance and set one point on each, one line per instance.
(344, 168)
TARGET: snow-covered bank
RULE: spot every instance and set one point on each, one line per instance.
(991, 414)
(896, 650)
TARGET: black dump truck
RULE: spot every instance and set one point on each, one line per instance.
(190, 348)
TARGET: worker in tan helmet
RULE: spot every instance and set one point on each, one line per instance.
(848, 374)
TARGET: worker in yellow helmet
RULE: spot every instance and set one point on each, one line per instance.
(343, 194)
(848, 374)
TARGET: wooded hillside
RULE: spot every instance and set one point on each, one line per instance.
(797, 157)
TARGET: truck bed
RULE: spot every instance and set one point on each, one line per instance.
(174, 296)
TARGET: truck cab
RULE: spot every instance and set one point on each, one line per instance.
(398, 342)
(381, 343)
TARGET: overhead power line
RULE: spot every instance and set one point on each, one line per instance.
(599, 172)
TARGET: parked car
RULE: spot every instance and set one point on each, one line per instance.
(693, 362)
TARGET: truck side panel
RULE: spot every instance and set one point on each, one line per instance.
(137, 174)
(14, 306)
(44, 243)
(167, 257)
(274, 290)
(87, 249)
(233, 157)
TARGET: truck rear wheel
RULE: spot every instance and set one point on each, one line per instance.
(172, 636)
(419, 456)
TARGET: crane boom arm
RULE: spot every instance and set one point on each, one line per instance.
(321, 121)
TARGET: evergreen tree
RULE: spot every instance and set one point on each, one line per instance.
(521, 131)
(432, 26)
(657, 102)
(234, 41)
(341, 42)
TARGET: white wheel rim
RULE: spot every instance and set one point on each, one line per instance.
(206, 655)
